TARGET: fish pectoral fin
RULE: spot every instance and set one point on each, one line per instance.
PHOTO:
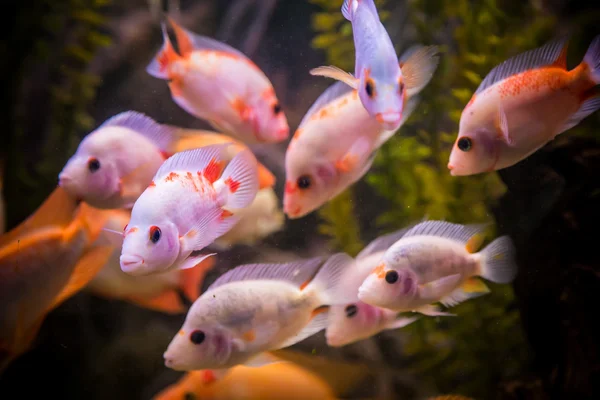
(418, 65)
(433, 311)
(263, 359)
(356, 156)
(318, 322)
(434, 290)
(205, 230)
(336, 73)
(193, 261)
(472, 288)
(502, 126)
(401, 322)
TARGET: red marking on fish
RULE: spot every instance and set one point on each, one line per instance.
(305, 284)
(165, 154)
(172, 177)
(297, 134)
(208, 377)
(226, 214)
(240, 106)
(380, 271)
(319, 310)
(191, 233)
(551, 78)
(233, 185)
(268, 93)
(190, 177)
(290, 187)
(213, 170)
(152, 184)
(470, 102)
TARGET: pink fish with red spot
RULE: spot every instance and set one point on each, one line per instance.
(337, 139)
(115, 163)
(522, 104)
(221, 85)
(186, 207)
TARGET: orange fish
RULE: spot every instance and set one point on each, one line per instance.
(157, 292)
(522, 104)
(275, 381)
(44, 261)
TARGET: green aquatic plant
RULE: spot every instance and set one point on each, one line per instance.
(64, 42)
(468, 353)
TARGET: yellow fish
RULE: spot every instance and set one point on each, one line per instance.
(44, 261)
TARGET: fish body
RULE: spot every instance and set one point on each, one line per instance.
(42, 262)
(157, 292)
(435, 262)
(217, 83)
(115, 163)
(523, 104)
(256, 308)
(337, 139)
(186, 207)
(275, 381)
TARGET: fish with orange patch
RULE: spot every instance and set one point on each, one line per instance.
(436, 261)
(257, 308)
(187, 207)
(115, 163)
(270, 382)
(221, 85)
(44, 261)
(523, 104)
(337, 140)
(157, 292)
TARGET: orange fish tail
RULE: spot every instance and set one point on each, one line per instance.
(191, 278)
(167, 302)
(266, 179)
(92, 220)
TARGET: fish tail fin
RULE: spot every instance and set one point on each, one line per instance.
(93, 220)
(498, 261)
(166, 55)
(266, 179)
(240, 178)
(167, 302)
(328, 281)
(592, 59)
(192, 278)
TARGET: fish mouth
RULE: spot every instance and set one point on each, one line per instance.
(130, 264)
(282, 133)
(171, 363)
(455, 169)
(293, 212)
(390, 119)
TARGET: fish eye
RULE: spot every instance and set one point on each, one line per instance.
(391, 277)
(351, 310)
(464, 144)
(276, 108)
(155, 234)
(189, 396)
(370, 88)
(93, 164)
(197, 337)
(304, 182)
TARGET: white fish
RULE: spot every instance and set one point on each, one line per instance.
(115, 163)
(257, 308)
(186, 207)
(435, 261)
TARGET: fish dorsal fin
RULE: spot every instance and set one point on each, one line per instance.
(333, 92)
(58, 210)
(161, 135)
(382, 243)
(548, 54)
(443, 229)
(186, 38)
(297, 272)
(197, 160)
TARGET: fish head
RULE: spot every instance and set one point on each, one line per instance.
(270, 124)
(90, 177)
(148, 247)
(310, 183)
(351, 322)
(383, 98)
(388, 286)
(474, 151)
(199, 346)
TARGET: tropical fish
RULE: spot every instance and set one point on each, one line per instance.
(221, 85)
(189, 139)
(274, 381)
(115, 163)
(256, 308)
(337, 139)
(383, 85)
(435, 261)
(42, 262)
(157, 292)
(522, 104)
(186, 207)
(356, 321)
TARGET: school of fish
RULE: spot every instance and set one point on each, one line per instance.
(142, 208)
